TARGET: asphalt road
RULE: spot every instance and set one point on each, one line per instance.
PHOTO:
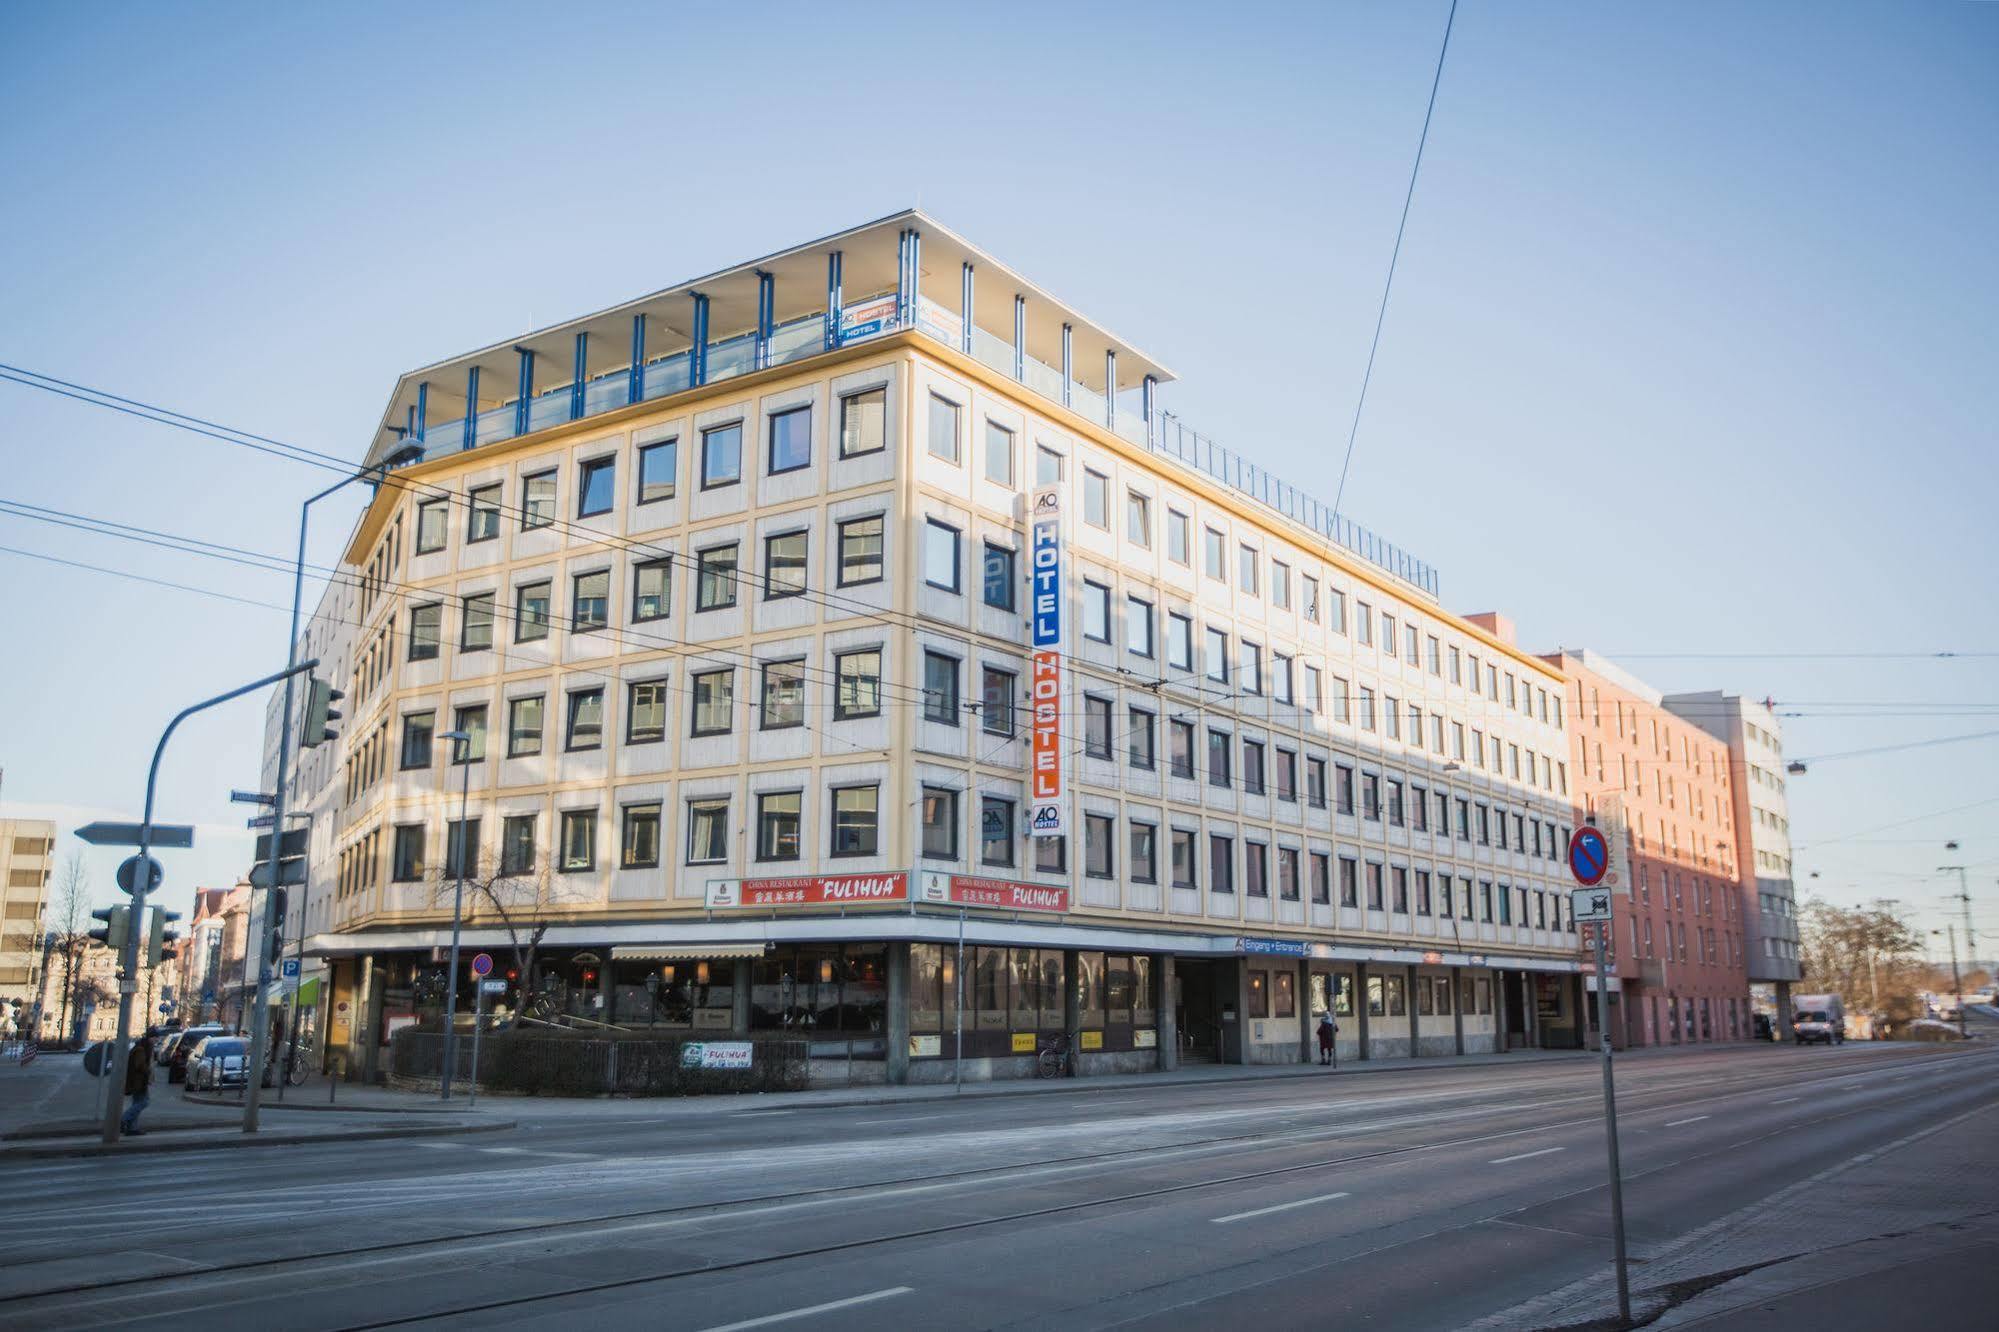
(1418, 1199)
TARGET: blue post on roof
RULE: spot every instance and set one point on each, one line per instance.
(1148, 402)
(636, 390)
(766, 315)
(1068, 363)
(526, 394)
(697, 355)
(1019, 337)
(965, 309)
(915, 297)
(471, 407)
(833, 300)
(422, 408)
(576, 378)
(1110, 390)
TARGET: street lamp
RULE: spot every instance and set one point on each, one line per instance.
(463, 741)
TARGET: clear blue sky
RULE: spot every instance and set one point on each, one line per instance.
(1691, 349)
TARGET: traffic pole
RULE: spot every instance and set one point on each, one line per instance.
(1610, 1127)
(478, 1021)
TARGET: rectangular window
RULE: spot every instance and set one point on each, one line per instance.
(1047, 466)
(645, 712)
(1096, 499)
(997, 578)
(778, 814)
(1138, 520)
(999, 455)
(482, 522)
(860, 551)
(1366, 709)
(1246, 569)
(1138, 627)
(586, 719)
(408, 866)
(1342, 705)
(538, 500)
(857, 684)
(1180, 748)
(524, 723)
(1218, 655)
(1096, 727)
(1051, 855)
(783, 695)
(418, 728)
(1096, 612)
(1221, 863)
(940, 823)
(1218, 758)
(579, 839)
(531, 612)
(1179, 641)
(1252, 767)
(472, 721)
(1255, 869)
(1140, 742)
(517, 844)
(996, 692)
(1280, 678)
(1349, 882)
(1315, 782)
(638, 840)
(856, 820)
(658, 465)
(433, 525)
(1099, 832)
(1184, 849)
(1287, 873)
(784, 565)
(790, 441)
(1252, 668)
(940, 688)
(1214, 554)
(596, 482)
(1178, 537)
(1343, 789)
(863, 423)
(996, 818)
(1394, 803)
(722, 456)
(940, 555)
(426, 626)
(476, 633)
(1286, 770)
(714, 702)
(590, 601)
(715, 578)
(652, 590)
(1370, 797)
(1363, 622)
(1399, 890)
(1144, 853)
(1322, 879)
(943, 442)
(1373, 885)
(707, 831)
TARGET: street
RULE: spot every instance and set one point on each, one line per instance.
(1405, 1199)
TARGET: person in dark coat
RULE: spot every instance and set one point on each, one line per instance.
(138, 1082)
(1328, 1030)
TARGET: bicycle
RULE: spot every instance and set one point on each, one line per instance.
(1053, 1059)
(300, 1065)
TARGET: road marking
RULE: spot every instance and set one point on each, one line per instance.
(1675, 1123)
(828, 1307)
(1786, 1101)
(899, 1119)
(1280, 1207)
(536, 1151)
(1545, 1151)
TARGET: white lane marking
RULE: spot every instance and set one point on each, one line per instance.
(1280, 1207)
(828, 1307)
(899, 1119)
(1675, 1123)
(1545, 1151)
(536, 1151)
(1786, 1101)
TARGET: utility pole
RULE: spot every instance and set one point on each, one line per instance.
(1964, 902)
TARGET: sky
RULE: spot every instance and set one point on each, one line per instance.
(1688, 360)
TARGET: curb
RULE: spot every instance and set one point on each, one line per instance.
(325, 1109)
(127, 1148)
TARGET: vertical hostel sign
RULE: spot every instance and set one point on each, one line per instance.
(1045, 749)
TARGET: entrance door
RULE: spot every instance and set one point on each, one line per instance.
(1197, 1012)
(1516, 1009)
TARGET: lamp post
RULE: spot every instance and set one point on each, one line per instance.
(1956, 980)
(462, 743)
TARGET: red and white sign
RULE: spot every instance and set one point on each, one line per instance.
(970, 890)
(1044, 810)
(808, 891)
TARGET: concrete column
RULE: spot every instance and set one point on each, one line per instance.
(743, 976)
(368, 1016)
(1501, 1041)
(1360, 1004)
(1458, 1007)
(1415, 1026)
(1169, 1016)
(1530, 1011)
(1306, 1039)
(1072, 1012)
(898, 1013)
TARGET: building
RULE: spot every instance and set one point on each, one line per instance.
(200, 961)
(1677, 938)
(27, 863)
(817, 615)
(1755, 743)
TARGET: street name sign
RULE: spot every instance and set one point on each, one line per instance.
(493, 986)
(171, 836)
(252, 798)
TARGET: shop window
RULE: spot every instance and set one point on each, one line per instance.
(1259, 994)
(1284, 994)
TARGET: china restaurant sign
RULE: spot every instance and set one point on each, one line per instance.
(971, 890)
(818, 890)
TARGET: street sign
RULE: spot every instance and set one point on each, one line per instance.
(128, 873)
(494, 986)
(1589, 856)
(256, 821)
(288, 975)
(290, 873)
(172, 836)
(482, 964)
(291, 845)
(1589, 904)
(252, 798)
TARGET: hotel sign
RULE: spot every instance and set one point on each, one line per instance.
(971, 890)
(807, 891)
(1044, 817)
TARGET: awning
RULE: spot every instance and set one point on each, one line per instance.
(685, 953)
(308, 993)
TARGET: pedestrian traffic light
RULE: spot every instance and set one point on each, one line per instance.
(274, 913)
(317, 726)
(116, 927)
(159, 936)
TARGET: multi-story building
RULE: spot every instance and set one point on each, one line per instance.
(1677, 938)
(835, 608)
(1755, 743)
(199, 967)
(27, 862)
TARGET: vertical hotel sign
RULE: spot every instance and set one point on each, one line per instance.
(1045, 752)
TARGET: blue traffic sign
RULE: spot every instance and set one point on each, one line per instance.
(1589, 856)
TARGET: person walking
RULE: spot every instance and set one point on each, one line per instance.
(1328, 1031)
(138, 1082)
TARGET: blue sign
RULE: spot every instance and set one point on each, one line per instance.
(1046, 556)
(1277, 947)
(1589, 856)
(288, 968)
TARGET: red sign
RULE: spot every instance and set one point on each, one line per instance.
(809, 891)
(1046, 755)
(994, 894)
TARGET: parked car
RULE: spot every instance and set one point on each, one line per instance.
(1818, 1018)
(218, 1062)
(183, 1049)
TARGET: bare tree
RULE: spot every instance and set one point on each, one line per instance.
(519, 899)
(65, 920)
(1863, 953)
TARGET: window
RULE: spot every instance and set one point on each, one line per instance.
(1178, 536)
(1140, 742)
(1252, 767)
(940, 555)
(857, 684)
(1252, 668)
(1287, 873)
(579, 839)
(482, 522)
(1096, 499)
(590, 601)
(1096, 612)
(517, 844)
(1419, 808)
(1349, 882)
(408, 866)
(999, 455)
(1047, 466)
(596, 481)
(707, 831)
(863, 423)
(940, 688)
(940, 823)
(996, 693)
(714, 702)
(1218, 655)
(1342, 708)
(1183, 850)
(524, 722)
(995, 831)
(472, 721)
(1280, 678)
(1221, 863)
(1374, 885)
(538, 500)
(722, 456)
(476, 633)
(1363, 621)
(1388, 635)
(783, 695)
(645, 712)
(1144, 853)
(586, 719)
(1179, 641)
(1370, 797)
(860, 551)
(531, 612)
(1398, 900)
(1180, 748)
(638, 841)
(1308, 594)
(996, 573)
(1322, 879)
(426, 625)
(790, 440)
(652, 590)
(856, 811)
(1366, 709)
(943, 429)
(778, 825)
(1099, 832)
(715, 578)
(1246, 567)
(418, 728)
(784, 565)
(1343, 789)
(1138, 520)
(1218, 758)
(1138, 626)
(1280, 585)
(1051, 855)
(1315, 782)
(658, 464)
(1096, 727)
(433, 525)
(1286, 770)
(1213, 554)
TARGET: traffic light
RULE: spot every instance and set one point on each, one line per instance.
(160, 936)
(274, 913)
(317, 725)
(116, 928)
